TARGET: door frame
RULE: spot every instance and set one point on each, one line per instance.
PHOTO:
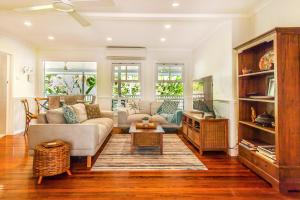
(9, 93)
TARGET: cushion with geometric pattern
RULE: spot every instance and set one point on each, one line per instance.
(168, 107)
(70, 115)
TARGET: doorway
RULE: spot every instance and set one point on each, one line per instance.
(5, 67)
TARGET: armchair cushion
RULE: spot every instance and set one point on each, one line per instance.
(136, 117)
(159, 119)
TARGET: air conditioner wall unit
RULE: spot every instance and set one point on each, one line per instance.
(126, 53)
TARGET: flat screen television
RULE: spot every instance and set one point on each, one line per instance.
(203, 94)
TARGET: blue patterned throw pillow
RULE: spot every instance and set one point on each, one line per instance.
(169, 107)
(70, 115)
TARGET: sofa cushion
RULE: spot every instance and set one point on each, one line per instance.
(145, 107)
(136, 117)
(155, 106)
(70, 115)
(55, 116)
(93, 111)
(106, 122)
(80, 112)
(159, 119)
(103, 133)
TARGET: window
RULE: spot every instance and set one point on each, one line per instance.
(70, 78)
(169, 83)
(126, 82)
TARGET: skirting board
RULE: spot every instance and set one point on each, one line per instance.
(16, 132)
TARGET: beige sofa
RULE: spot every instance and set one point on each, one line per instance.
(146, 109)
(85, 137)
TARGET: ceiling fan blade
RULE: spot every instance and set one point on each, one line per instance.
(84, 0)
(81, 20)
(35, 8)
(98, 2)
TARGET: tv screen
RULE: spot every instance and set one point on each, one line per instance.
(203, 94)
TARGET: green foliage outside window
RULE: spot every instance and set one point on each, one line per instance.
(91, 83)
(170, 88)
(127, 89)
(69, 84)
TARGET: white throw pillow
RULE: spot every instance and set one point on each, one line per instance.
(145, 107)
(80, 112)
(133, 107)
(55, 116)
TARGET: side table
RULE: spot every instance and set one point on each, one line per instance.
(51, 158)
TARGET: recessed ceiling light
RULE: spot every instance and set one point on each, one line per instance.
(162, 39)
(175, 4)
(109, 39)
(168, 26)
(28, 23)
(50, 37)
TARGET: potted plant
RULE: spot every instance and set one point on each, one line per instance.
(145, 120)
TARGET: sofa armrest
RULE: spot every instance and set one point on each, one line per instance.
(80, 136)
(41, 118)
(107, 114)
(122, 116)
(178, 117)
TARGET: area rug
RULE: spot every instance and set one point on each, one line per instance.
(116, 156)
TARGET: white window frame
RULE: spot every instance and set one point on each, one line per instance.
(126, 81)
(180, 98)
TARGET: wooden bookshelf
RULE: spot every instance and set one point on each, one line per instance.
(284, 173)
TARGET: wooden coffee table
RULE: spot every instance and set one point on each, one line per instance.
(146, 137)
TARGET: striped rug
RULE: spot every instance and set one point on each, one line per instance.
(116, 156)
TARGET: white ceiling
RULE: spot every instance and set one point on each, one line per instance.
(127, 22)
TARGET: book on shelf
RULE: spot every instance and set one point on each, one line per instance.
(250, 144)
(266, 154)
(247, 147)
(270, 149)
(265, 157)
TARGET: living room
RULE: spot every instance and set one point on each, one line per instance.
(174, 65)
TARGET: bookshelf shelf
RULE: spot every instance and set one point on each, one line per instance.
(255, 154)
(269, 72)
(257, 100)
(253, 125)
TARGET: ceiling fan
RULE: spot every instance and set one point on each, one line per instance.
(65, 6)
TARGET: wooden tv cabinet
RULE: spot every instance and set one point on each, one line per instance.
(205, 134)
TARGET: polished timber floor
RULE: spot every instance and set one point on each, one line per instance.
(225, 179)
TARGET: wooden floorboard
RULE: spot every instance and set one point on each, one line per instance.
(225, 178)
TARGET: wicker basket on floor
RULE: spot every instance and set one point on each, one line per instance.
(50, 161)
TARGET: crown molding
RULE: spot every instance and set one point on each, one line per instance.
(159, 16)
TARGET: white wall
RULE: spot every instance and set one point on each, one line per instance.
(279, 13)
(215, 57)
(22, 55)
(104, 86)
